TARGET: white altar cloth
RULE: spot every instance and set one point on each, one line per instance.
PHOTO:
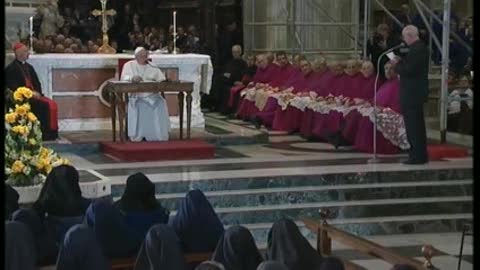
(189, 65)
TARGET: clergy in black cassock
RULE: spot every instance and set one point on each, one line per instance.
(232, 74)
(19, 73)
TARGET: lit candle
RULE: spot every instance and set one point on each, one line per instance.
(174, 32)
(31, 34)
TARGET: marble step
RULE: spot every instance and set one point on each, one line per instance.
(346, 209)
(376, 226)
(311, 194)
(163, 186)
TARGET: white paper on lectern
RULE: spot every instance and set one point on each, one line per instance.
(391, 55)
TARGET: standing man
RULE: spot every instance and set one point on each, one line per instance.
(413, 71)
(19, 73)
(148, 116)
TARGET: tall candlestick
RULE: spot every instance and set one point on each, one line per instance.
(31, 34)
(174, 32)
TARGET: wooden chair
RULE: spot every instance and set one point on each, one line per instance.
(325, 234)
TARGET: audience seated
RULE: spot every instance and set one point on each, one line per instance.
(247, 77)
(403, 267)
(272, 265)
(19, 251)
(120, 227)
(387, 97)
(196, 224)
(236, 250)
(59, 206)
(80, 250)
(11, 201)
(160, 250)
(287, 245)
(210, 265)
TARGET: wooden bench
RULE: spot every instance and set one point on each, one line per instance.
(325, 233)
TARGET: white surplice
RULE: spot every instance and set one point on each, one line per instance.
(147, 112)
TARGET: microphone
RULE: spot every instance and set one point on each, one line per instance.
(401, 45)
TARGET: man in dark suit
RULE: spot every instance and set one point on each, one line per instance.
(413, 71)
(19, 73)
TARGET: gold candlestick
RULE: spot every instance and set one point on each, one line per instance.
(105, 48)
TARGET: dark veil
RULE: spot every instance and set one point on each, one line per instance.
(287, 245)
(20, 251)
(196, 223)
(237, 250)
(61, 195)
(160, 250)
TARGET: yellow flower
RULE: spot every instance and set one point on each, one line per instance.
(32, 141)
(43, 152)
(27, 93)
(11, 117)
(20, 129)
(22, 109)
(18, 96)
(42, 163)
(17, 166)
(31, 117)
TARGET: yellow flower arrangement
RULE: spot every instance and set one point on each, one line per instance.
(22, 109)
(17, 166)
(11, 117)
(22, 130)
(27, 162)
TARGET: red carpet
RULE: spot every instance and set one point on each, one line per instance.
(148, 151)
(440, 151)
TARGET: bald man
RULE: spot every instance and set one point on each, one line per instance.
(20, 73)
(232, 75)
(413, 71)
(148, 117)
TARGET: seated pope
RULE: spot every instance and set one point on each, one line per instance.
(148, 117)
(19, 73)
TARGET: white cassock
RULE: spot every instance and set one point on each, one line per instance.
(147, 112)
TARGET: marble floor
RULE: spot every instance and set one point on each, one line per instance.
(272, 154)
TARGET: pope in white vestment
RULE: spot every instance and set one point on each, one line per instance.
(147, 112)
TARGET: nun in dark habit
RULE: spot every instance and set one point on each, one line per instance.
(196, 224)
(236, 250)
(287, 245)
(19, 251)
(11, 201)
(80, 250)
(121, 226)
(161, 250)
(59, 206)
(332, 263)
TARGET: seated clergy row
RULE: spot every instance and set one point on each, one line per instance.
(73, 232)
(328, 102)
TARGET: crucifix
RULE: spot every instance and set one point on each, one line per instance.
(105, 48)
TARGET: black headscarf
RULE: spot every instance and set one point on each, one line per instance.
(196, 223)
(287, 245)
(271, 265)
(11, 201)
(139, 195)
(332, 263)
(61, 195)
(19, 251)
(236, 250)
(160, 250)
(81, 251)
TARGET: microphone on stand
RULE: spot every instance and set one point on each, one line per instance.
(375, 158)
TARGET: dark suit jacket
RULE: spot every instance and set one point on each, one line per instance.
(413, 71)
(14, 76)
